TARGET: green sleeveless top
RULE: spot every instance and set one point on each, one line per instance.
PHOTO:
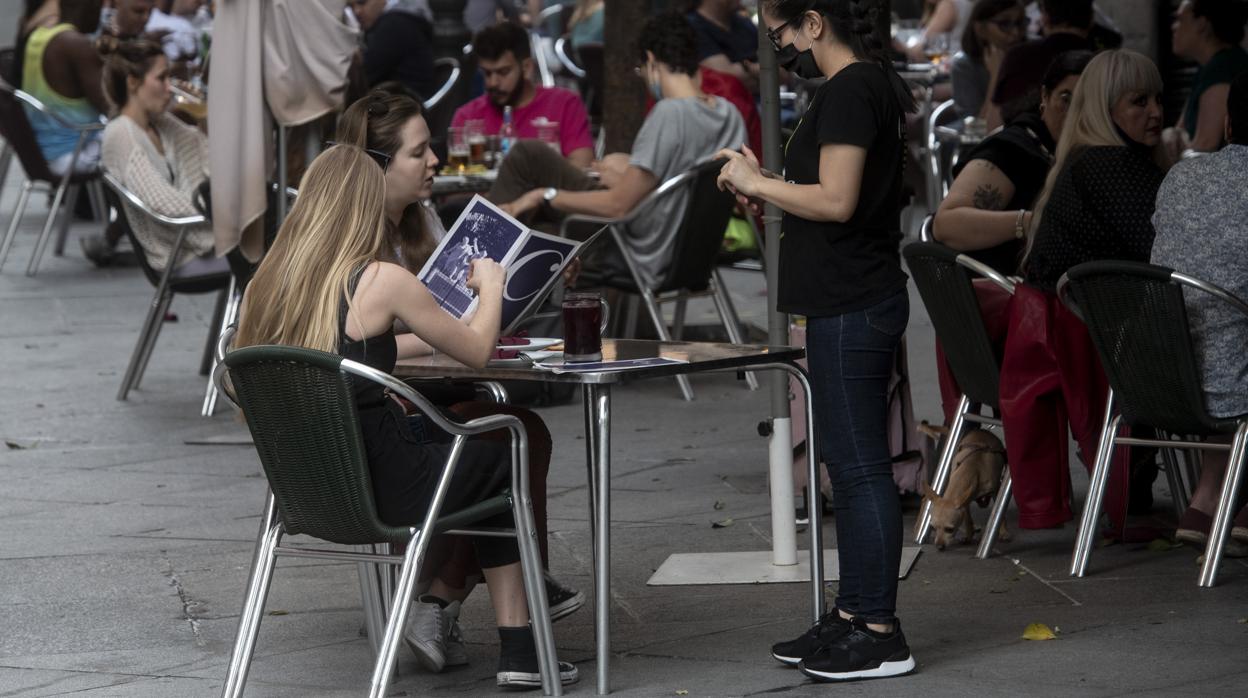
(54, 139)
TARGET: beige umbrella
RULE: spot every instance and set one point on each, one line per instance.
(285, 60)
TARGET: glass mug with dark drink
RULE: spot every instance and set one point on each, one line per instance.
(584, 321)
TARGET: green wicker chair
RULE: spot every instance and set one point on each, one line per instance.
(301, 412)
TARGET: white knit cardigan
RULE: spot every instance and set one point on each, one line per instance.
(166, 183)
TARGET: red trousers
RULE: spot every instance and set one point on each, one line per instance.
(993, 304)
(1051, 378)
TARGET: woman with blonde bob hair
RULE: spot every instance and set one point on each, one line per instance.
(1096, 204)
(322, 286)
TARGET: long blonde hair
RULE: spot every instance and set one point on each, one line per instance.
(336, 226)
(1109, 77)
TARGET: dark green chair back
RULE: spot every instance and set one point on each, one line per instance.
(300, 409)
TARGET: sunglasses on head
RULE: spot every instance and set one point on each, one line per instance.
(378, 157)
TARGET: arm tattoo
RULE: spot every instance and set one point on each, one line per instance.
(988, 197)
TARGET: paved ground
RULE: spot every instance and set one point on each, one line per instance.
(125, 550)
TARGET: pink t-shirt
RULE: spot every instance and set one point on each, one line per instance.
(554, 103)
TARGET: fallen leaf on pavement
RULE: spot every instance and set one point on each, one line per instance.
(723, 524)
(1038, 631)
(279, 613)
(682, 692)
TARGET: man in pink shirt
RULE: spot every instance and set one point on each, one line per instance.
(506, 63)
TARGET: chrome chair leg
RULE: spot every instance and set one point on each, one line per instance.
(656, 317)
(9, 235)
(370, 596)
(41, 245)
(678, 316)
(252, 614)
(993, 527)
(1096, 496)
(155, 335)
(155, 314)
(227, 319)
(396, 619)
(66, 214)
(943, 467)
(531, 568)
(1174, 479)
(728, 316)
(1226, 508)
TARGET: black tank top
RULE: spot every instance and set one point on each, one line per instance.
(380, 351)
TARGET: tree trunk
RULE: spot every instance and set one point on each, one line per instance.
(624, 97)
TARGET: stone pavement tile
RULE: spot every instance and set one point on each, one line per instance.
(164, 686)
(43, 682)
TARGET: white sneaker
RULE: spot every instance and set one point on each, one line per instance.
(428, 627)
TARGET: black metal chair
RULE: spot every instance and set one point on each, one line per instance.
(943, 278)
(1137, 319)
(693, 269)
(168, 284)
(20, 136)
(300, 408)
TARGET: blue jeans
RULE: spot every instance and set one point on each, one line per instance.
(851, 359)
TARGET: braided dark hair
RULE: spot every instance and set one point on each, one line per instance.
(853, 23)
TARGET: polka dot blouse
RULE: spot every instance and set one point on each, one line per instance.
(1101, 208)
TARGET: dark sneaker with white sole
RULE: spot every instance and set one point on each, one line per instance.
(830, 628)
(564, 601)
(861, 654)
(523, 673)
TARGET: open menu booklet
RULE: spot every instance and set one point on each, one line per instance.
(534, 262)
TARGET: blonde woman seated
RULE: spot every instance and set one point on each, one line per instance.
(156, 156)
(322, 286)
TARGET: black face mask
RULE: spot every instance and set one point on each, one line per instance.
(800, 63)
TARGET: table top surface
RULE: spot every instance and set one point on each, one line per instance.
(701, 356)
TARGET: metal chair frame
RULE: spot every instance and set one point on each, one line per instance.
(968, 411)
(224, 316)
(386, 608)
(1238, 450)
(716, 288)
(62, 191)
(937, 182)
(564, 50)
(451, 80)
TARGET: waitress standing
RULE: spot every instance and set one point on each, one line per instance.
(840, 267)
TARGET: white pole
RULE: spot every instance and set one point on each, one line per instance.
(783, 523)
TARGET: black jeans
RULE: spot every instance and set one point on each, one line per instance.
(851, 358)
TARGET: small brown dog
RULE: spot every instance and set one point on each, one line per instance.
(976, 475)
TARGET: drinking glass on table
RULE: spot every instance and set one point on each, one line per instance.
(584, 321)
(937, 48)
(475, 130)
(457, 149)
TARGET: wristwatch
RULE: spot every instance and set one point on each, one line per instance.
(550, 194)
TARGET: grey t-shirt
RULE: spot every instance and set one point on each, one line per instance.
(1200, 223)
(678, 134)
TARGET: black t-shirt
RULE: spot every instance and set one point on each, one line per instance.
(400, 47)
(738, 43)
(833, 268)
(1023, 151)
(1101, 207)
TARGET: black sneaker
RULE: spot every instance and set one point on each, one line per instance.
(564, 601)
(523, 673)
(861, 654)
(830, 628)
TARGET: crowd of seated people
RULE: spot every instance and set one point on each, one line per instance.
(504, 57)
(686, 127)
(994, 27)
(1080, 170)
(1199, 224)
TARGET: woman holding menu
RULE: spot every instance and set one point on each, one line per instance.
(840, 267)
